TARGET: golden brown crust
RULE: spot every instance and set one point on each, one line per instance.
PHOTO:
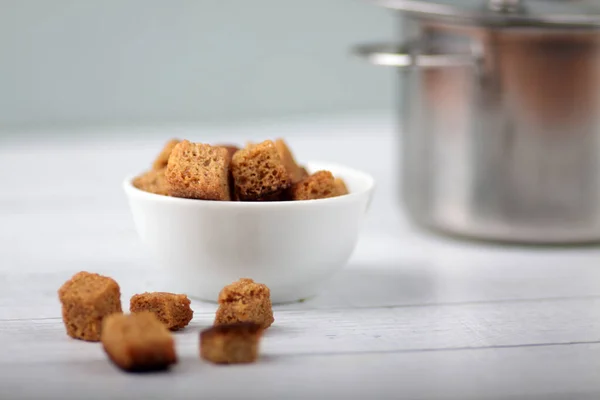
(198, 171)
(319, 185)
(138, 342)
(163, 158)
(231, 343)
(242, 329)
(231, 149)
(265, 171)
(295, 172)
(86, 299)
(340, 187)
(258, 172)
(173, 310)
(152, 181)
(303, 172)
(279, 196)
(245, 301)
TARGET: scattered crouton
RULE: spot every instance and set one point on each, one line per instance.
(173, 310)
(245, 301)
(86, 299)
(138, 342)
(231, 343)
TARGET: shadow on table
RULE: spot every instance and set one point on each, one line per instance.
(373, 288)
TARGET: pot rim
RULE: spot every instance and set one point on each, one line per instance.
(520, 16)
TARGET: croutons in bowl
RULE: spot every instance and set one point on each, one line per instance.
(213, 214)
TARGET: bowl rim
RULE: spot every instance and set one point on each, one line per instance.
(369, 187)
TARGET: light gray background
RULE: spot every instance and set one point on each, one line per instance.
(66, 63)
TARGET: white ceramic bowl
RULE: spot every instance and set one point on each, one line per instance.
(293, 247)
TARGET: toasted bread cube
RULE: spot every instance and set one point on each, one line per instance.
(152, 181)
(231, 149)
(173, 310)
(138, 342)
(303, 172)
(278, 196)
(198, 171)
(258, 172)
(319, 185)
(231, 343)
(163, 158)
(245, 301)
(340, 187)
(289, 162)
(86, 300)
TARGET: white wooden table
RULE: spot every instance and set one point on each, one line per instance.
(412, 316)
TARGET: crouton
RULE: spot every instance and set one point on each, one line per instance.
(152, 181)
(173, 310)
(340, 187)
(231, 343)
(163, 158)
(258, 172)
(198, 171)
(319, 185)
(138, 342)
(86, 300)
(295, 172)
(245, 301)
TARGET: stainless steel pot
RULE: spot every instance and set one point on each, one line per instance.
(500, 117)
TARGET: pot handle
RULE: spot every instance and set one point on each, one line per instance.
(405, 56)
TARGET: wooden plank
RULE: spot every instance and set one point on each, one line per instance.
(331, 331)
(374, 278)
(541, 373)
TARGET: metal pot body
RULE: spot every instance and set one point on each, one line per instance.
(501, 131)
